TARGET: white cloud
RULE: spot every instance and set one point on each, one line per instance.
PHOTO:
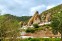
(5, 10)
(36, 8)
(23, 7)
(50, 6)
(23, 2)
(40, 8)
(18, 1)
(60, 3)
(2, 9)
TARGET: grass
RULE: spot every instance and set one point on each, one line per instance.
(41, 39)
(37, 39)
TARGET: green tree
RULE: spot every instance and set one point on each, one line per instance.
(8, 28)
(57, 23)
(30, 30)
(35, 25)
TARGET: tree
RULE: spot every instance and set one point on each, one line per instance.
(8, 28)
(56, 23)
(30, 30)
(35, 26)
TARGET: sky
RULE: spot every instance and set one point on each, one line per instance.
(26, 7)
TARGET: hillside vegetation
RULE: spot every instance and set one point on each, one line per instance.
(9, 24)
(22, 18)
(46, 15)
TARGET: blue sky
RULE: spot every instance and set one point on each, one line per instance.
(26, 7)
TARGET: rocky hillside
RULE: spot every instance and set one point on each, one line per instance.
(34, 19)
(44, 16)
(37, 18)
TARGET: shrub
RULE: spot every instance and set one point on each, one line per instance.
(30, 30)
(35, 39)
(35, 25)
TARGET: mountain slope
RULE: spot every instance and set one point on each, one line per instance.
(23, 18)
(46, 15)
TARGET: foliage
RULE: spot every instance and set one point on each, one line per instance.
(25, 18)
(35, 26)
(8, 27)
(57, 23)
(51, 11)
(22, 18)
(30, 30)
(42, 39)
(37, 39)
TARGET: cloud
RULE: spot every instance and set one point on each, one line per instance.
(50, 6)
(24, 3)
(26, 7)
(15, 7)
(60, 3)
(2, 9)
(36, 8)
(40, 8)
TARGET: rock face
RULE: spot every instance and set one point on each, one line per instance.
(47, 19)
(45, 16)
(34, 19)
(37, 19)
